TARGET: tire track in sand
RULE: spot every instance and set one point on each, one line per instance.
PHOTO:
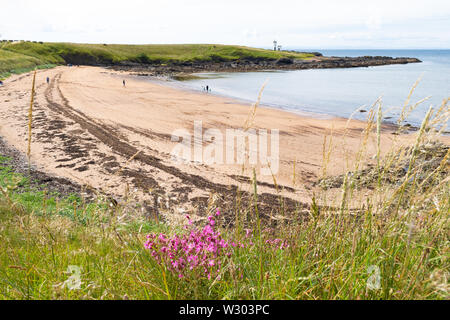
(106, 135)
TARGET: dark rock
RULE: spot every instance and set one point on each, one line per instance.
(285, 61)
(255, 64)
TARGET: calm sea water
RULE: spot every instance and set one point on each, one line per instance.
(339, 92)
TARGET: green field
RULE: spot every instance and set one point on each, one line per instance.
(19, 56)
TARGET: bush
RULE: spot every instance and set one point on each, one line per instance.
(143, 58)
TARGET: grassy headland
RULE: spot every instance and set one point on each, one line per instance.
(19, 56)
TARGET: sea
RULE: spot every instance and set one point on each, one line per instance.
(340, 92)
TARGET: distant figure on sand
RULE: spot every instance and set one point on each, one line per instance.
(1, 83)
(48, 80)
(124, 83)
(207, 88)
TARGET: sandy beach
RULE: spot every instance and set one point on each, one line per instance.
(87, 127)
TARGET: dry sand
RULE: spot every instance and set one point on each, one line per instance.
(87, 126)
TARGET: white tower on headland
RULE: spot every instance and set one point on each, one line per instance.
(275, 45)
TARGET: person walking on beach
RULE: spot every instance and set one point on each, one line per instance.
(124, 83)
(207, 88)
(48, 80)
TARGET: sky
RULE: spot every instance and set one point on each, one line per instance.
(324, 24)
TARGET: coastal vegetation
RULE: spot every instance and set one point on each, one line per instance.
(15, 57)
(379, 238)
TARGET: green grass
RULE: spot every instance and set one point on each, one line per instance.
(26, 55)
(400, 229)
(37, 199)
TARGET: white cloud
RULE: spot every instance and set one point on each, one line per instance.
(319, 24)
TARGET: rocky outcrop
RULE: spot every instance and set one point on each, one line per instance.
(317, 62)
(355, 62)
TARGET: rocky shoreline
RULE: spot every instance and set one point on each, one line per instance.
(318, 62)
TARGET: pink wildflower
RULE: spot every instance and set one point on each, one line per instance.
(200, 251)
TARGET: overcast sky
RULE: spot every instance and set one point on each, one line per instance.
(297, 24)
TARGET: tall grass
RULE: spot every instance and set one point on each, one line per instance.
(386, 236)
(30, 119)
